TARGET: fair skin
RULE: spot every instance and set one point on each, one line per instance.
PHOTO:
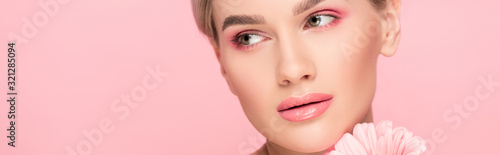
(282, 52)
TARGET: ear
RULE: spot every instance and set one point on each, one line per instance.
(392, 28)
(215, 46)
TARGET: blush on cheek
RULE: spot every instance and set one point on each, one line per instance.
(364, 64)
(360, 36)
(245, 83)
(363, 46)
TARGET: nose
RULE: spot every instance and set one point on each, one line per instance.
(295, 65)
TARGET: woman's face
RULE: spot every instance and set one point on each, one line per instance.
(270, 51)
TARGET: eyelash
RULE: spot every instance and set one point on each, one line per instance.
(328, 25)
(240, 46)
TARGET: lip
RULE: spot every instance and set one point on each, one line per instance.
(296, 109)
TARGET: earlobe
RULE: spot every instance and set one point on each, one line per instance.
(392, 27)
(215, 47)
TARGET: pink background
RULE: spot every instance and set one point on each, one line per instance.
(92, 52)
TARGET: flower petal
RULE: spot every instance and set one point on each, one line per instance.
(380, 140)
(336, 153)
(350, 146)
(365, 133)
(382, 126)
(415, 145)
(399, 141)
(384, 143)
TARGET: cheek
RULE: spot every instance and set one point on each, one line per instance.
(358, 79)
(349, 56)
(251, 75)
(360, 54)
(248, 72)
(347, 66)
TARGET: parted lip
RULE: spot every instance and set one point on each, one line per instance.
(292, 102)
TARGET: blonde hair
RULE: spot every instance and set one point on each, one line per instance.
(202, 11)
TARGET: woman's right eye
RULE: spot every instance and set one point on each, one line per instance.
(248, 39)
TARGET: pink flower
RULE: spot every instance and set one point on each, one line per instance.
(382, 140)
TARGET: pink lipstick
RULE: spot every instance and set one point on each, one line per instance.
(304, 107)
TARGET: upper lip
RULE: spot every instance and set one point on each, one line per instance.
(291, 102)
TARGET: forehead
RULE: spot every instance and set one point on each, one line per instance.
(271, 10)
(225, 8)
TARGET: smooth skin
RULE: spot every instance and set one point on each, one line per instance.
(289, 57)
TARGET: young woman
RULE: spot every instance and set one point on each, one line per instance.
(304, 71)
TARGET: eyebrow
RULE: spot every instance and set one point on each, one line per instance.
(305, 5)
(258, 19)
(242, 20)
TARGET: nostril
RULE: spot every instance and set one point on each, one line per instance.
(286, 82)
(305, 77)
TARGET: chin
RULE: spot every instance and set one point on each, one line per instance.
(310, 137)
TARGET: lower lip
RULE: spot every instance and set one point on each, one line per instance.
(306, 112)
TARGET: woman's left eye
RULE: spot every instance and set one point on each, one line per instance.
(320, 20)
